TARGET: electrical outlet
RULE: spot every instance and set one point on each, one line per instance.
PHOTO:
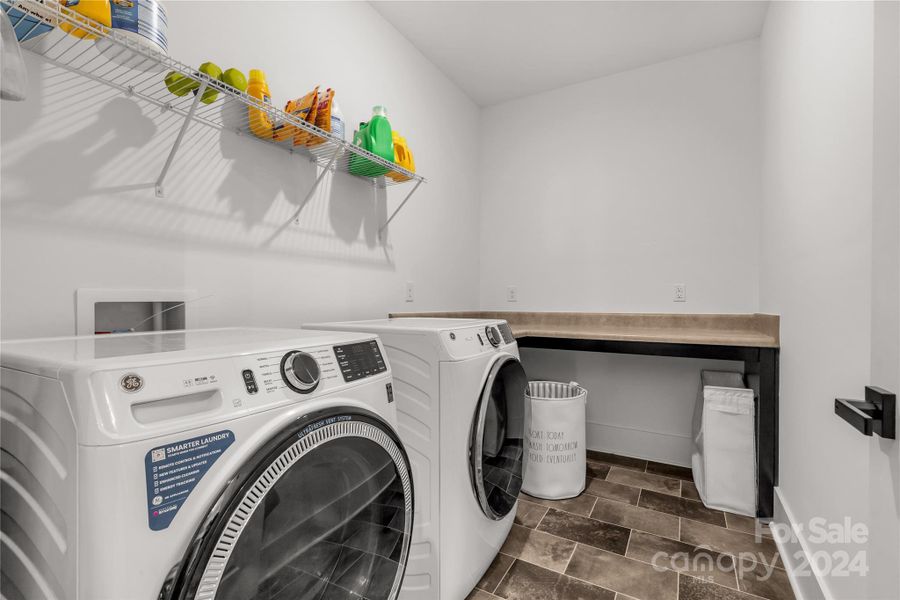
(512, 294)
(410, 291)
(680, 293)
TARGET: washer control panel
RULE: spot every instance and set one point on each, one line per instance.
(285, 373)
(300, 371)
(359, 360)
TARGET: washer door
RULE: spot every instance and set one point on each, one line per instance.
(495, 449)
(323, 511)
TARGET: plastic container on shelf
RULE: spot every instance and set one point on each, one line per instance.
(555, 456)
(402, 156)
(337, 121)
(143, 22)
(260, 122)
(87, 11)
(375, 137)
(29, 21)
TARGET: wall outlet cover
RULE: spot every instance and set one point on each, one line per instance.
(512, 294)
(410, 291)
(680, 294)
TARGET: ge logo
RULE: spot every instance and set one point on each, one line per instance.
(131, 382)
(157, 500)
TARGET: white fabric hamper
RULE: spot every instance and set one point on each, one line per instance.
(724, 458)
(554, 465)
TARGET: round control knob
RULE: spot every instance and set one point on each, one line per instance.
(300, 371)
(493, 335)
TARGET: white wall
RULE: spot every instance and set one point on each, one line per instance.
(617, 188)
(602, 195)
(79, 209)
(818, 269)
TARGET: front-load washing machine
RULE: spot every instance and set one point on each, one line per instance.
(210, 464)
(459, 387)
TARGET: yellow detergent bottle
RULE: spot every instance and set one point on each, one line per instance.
(260, 122)
(402, 156)
(91, 10)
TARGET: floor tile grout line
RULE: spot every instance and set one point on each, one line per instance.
(737, 580)
(505, 573)
(569, 561)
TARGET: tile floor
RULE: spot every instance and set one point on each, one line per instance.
(637, 532)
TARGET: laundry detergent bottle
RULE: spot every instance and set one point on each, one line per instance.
(374, 136)
(88, 11)
(260, 122)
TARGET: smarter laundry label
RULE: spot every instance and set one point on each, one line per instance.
(174, 470)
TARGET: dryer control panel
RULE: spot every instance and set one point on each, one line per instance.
(467, 342)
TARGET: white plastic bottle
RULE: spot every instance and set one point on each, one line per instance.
(337, 120)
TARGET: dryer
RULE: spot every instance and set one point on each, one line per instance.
(460, 411)
(203, 464)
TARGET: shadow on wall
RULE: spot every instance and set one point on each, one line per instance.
(82, 156)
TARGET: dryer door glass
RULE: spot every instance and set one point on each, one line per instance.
(326, 515)
(495, 450)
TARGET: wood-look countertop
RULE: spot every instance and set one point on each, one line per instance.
(744, 330)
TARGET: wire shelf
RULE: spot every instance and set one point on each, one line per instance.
(113, 59)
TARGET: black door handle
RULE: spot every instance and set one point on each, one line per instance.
(876, 414)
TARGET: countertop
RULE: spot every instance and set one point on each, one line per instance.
(745, 330)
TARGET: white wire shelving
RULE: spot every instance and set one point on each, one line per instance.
(106, 56)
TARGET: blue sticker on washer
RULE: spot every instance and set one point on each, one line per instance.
(174, 470)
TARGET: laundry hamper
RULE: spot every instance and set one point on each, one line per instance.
(554, 465)
(724, 457)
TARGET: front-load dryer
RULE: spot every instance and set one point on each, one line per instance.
(459, 387)
(209, 464)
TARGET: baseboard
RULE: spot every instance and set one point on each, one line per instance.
(639, 443)
(808, 586)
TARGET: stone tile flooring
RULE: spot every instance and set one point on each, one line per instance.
(638, 532)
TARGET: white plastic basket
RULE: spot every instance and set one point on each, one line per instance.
(554, 465)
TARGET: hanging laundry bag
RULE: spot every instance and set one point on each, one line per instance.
(554, 465)
(724, 457)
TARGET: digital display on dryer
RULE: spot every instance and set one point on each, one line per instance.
(359, 360)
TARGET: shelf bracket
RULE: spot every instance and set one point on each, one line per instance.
(296, 216)
(160, 192)
(396, 210)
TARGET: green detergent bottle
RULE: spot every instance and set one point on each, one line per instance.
(374, 136)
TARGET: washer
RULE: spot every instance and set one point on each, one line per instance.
(222, 463)
(459, 387)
